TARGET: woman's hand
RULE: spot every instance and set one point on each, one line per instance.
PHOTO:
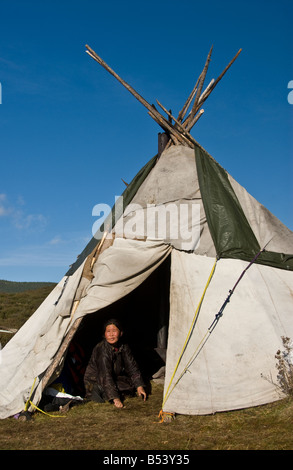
(118, 403)
(141, 393)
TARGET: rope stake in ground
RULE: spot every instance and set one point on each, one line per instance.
(165, 417)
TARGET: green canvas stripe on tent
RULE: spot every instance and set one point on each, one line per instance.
(229, 227)
(230, 230)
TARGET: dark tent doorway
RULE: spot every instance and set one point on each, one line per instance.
(144, 315)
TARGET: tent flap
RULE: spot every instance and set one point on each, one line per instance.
(29, 353)
(119, 270)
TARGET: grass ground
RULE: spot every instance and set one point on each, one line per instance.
(96, 426)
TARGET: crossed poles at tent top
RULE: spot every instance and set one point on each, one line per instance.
(179, 130)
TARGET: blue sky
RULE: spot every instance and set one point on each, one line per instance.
(69, 132)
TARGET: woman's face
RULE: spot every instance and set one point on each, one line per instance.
(112, 334)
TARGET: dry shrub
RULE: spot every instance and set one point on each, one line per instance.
(285, 367)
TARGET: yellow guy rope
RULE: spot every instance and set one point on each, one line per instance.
(29, 402)
(44, 412)
(167, 394)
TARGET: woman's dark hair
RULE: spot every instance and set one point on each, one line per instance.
(113, 321)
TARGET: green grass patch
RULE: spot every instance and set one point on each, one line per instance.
(17, 307)
(94, 426)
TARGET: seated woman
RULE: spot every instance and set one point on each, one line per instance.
(112, 370)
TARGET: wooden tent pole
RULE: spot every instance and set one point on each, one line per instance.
(200, 85)
(184, 110)
(189, 123)
(99, 248)
(165, 125)
(98, 59)
(180, 126)
(54, 364)
(175, 131)
(5, 329)
(199, 81)
(224, 71)
(194, 120)
(208, 92)
(152, 110)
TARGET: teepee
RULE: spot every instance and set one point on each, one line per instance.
(201, 270)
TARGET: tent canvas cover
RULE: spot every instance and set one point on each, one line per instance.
(173, 282)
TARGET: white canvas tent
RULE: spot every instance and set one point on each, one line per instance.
(218, 354)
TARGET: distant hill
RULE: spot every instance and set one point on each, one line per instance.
(14, 287)
(18, 301)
